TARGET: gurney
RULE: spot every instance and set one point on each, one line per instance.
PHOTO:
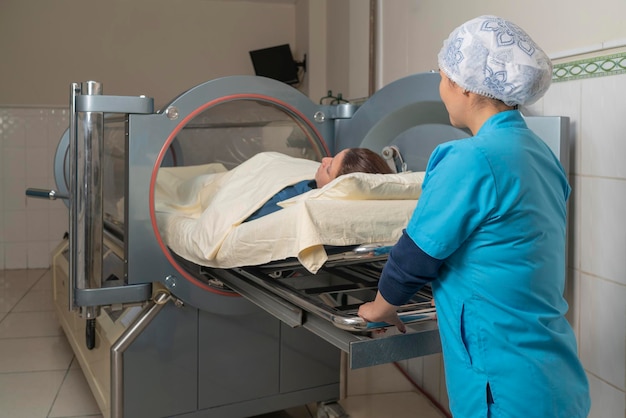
(355, 219)
(201, 212)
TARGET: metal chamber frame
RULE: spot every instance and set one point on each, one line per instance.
(187, 343)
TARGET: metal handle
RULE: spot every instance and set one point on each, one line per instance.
(406, 317)
(394, 158)
(45, 194)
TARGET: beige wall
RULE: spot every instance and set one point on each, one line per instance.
(412, 31)
(159, 48)
(348, 44)
(302, 40)
(348, 48)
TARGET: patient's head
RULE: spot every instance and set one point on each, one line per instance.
(351, 160)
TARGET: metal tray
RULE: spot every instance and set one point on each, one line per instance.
(348, 279)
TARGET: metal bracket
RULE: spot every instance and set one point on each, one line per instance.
(114, 104)
(420, 340)
(110, 295)
(276, 306)
(341, 111)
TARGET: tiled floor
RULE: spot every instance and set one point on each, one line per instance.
(39, 375)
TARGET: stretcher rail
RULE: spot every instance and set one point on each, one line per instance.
(335, 294)
(347, 280)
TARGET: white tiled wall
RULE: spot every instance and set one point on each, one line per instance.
(598, 112)
(29, 228)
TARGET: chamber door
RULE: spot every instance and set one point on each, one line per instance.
(221, 123)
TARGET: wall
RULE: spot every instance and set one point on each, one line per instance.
(155, 47)
(312, 36)
(335, 36)
(413, 31)
(348, 43)
(303, 29)
(590, 90)
(29, 228)
(158, 48)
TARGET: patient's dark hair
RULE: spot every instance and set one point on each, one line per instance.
(363, 160)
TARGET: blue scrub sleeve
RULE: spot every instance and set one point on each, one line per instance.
(407, 270)
(458, 194)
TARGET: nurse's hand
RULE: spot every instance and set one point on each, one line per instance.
(381, 311)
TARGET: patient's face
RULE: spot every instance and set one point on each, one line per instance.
(328, 169)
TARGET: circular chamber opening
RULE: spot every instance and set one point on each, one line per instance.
(230, 132)
(212, 141)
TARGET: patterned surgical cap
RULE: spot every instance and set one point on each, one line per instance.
(495, 58)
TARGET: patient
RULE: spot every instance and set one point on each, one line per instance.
(351, 160)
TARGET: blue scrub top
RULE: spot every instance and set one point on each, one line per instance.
(493, 207)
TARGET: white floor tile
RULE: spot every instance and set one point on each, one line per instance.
(34, 354)
(10, 296)
(35, 301)
(21, 278)
(28, 395)
(74, 398)
(30, 324)
(45, 282)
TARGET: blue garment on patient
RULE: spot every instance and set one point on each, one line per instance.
(288, 192)
(493, 211)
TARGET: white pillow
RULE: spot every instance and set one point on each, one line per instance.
(365, 186)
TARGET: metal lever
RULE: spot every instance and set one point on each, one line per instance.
(394, 159)
(45, 194)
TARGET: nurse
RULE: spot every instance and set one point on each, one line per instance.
(489, 234)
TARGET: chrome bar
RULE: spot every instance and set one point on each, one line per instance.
(126, 339)
(415, 311)
(277, 307)
(87, 193)
(113, 295)
(73, 192)
(421, 339)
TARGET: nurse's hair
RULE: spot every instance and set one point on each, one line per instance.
(363, 160)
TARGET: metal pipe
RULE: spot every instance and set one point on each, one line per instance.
(126, 339)
(372, 47)
(73, 192)
(87, 193)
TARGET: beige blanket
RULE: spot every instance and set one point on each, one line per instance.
(201, 209)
